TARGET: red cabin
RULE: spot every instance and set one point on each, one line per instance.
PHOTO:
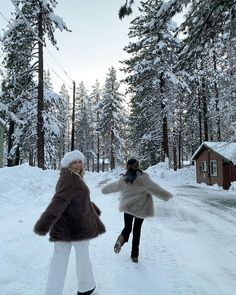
(216, 163)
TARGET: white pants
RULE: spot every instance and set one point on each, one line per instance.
(59, 263)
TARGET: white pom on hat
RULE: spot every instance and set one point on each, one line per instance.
(70, 157)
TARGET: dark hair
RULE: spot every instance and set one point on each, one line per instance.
(132, 167)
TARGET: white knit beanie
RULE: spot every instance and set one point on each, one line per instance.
(70, 157)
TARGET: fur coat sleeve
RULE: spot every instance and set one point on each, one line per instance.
(156, 189)
(112, 187)
(65, 192)
(95, 207)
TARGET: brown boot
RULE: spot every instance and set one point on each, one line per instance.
(134, 259)
(119, 243)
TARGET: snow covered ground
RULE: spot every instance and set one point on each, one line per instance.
(189, 247)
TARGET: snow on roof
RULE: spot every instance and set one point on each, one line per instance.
(226, 150)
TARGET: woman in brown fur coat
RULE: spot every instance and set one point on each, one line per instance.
(136, 202)
(71, 219)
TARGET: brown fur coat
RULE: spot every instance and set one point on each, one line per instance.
(70, 216)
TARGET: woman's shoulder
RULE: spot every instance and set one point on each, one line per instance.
(66, 175)
(65, 172)
(142, 178)
(142, 175)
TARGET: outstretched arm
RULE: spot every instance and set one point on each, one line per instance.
(57, 206)
(111, 187)
(157, 190)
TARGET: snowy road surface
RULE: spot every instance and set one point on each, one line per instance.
(189, 247)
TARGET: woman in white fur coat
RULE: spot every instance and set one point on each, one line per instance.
(136, 202)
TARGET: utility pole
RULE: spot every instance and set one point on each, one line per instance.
(73, 120)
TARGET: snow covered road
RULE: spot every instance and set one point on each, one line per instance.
(200, 235)
(189, 247)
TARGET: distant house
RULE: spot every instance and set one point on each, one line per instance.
(216, 163)
(2, 132)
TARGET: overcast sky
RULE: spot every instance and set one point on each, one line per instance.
(95, 43)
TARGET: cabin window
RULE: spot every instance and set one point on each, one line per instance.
(204, 166)
(213, 168)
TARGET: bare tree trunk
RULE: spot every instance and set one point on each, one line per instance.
(180, 143)
(175, 156)
(40, 124)
(98, 152)
(98, 135)
(103, 162)
(112, 164)
(73, 120)
(31, 158)
(217, 102)
(17, 159)
(93, 164)
(10, 161)
(200, 118)
(87, 147)
(88, 162)
(204, 110)
(165, 145)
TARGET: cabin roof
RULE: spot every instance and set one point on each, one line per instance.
(226, 150)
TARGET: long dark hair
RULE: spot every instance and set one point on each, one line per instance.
(132, 166)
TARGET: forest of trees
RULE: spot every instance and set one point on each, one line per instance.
(180, 82)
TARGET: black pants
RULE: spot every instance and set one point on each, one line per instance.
(128, 220)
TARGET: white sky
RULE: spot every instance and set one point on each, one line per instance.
(95, 43)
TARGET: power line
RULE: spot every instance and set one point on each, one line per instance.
(40, 40)
(44, 60)
(4, 17)
(58, 76)
(59, 64)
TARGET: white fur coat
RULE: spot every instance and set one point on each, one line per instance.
(136, 198)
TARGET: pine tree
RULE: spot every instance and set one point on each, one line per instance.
(65, 119)
(112, 120)
(205, 59)
(18, 88)
(40, 21)
(152, 82)
(96, 97)
(84, 124)
(55, 116)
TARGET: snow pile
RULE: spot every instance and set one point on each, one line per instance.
(23, 184)
(233, 187)
(184, 176)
